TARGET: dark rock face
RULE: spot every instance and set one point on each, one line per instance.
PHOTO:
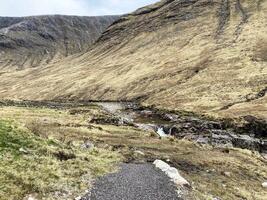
(108, 120)
(183, 125)
(255, 126)
(219, 133)
(33, 40)
(250, 136)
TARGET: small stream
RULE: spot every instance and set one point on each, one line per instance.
(203, 131)
(218, 133)
(141, 118)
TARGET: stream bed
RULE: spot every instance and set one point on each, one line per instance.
(194, 128)
(218, 133)
(145, 119)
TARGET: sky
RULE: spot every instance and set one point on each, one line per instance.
(70, 7)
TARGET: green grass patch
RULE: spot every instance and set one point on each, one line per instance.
(51, 169)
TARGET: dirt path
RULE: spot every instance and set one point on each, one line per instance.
(134, 182)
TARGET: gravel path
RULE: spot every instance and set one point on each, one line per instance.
(134, 182)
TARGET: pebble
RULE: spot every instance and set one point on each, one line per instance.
(228, 174)
(30, 197)
(139, 152)
(22, 150)
(87, 145)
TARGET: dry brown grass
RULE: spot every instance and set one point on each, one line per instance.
(203, 166)
(48, 168)
(181, 64)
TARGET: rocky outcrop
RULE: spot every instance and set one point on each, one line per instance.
(223, 133)
(250, 135)
(255, 126)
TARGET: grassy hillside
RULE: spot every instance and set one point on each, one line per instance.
(31, 41)
(48, 168)
(197, 55)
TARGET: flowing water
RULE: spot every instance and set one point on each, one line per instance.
(201, 130)
(144, 119)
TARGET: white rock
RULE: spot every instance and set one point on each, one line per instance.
(264, 184)
(227, 174)
(30, 197)
(22, 150)
(139, 152)
(161, 165)
(264, 155)
(171, 172)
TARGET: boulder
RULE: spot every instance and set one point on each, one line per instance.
(172, 173)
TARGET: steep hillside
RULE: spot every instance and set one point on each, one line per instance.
(207, 56)
(31, 41)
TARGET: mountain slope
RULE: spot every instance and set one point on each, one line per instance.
(206, 56)
(31, 41)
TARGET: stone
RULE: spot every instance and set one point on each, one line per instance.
(139, 153)
(87, 145)
(221, 140)
(31, 197)
(264, 155)
(256, 126)
(22, 150)
(247, 142)
(228, 174)
(264, 184)
(172, 173)
(161, 165)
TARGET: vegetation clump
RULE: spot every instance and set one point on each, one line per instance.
(53, 170)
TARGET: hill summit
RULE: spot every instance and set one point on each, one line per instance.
(31, 41)
(206, 56)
